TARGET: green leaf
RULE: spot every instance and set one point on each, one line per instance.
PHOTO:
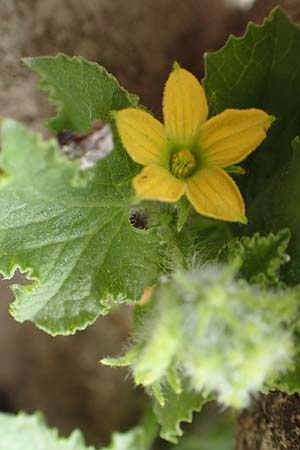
(262, 69)
(281, 196)
(75, 242)
(255, 71)
(177, 408)
(225, 337)
(83, 91)
(30, 432)
(258, 258)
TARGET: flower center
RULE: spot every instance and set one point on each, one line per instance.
(183, 163)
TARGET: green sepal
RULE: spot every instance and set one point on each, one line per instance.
(183, 207)
(236, 170)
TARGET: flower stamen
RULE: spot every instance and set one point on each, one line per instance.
(183, 163)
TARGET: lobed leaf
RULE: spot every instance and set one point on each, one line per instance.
(258, 258)
(76, 243)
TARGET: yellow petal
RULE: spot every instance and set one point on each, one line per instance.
(143, 136)
(214, 194)
(157, 183)
(231, 136)
(184, 106)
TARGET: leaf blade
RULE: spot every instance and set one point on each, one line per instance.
(83, 91)
(76, 242)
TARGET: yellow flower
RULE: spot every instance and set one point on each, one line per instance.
(188, 154)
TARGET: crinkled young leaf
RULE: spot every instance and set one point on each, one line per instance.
(230, 337)
(83, 91)
(262, 69)
(157, 353)
(258, 258)
(76, 242)
(30, 432)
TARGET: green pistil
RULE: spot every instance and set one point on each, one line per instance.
(183, 163)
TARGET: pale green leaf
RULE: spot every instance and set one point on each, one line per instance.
(30, 432)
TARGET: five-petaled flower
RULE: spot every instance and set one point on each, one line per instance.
(189, 153)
